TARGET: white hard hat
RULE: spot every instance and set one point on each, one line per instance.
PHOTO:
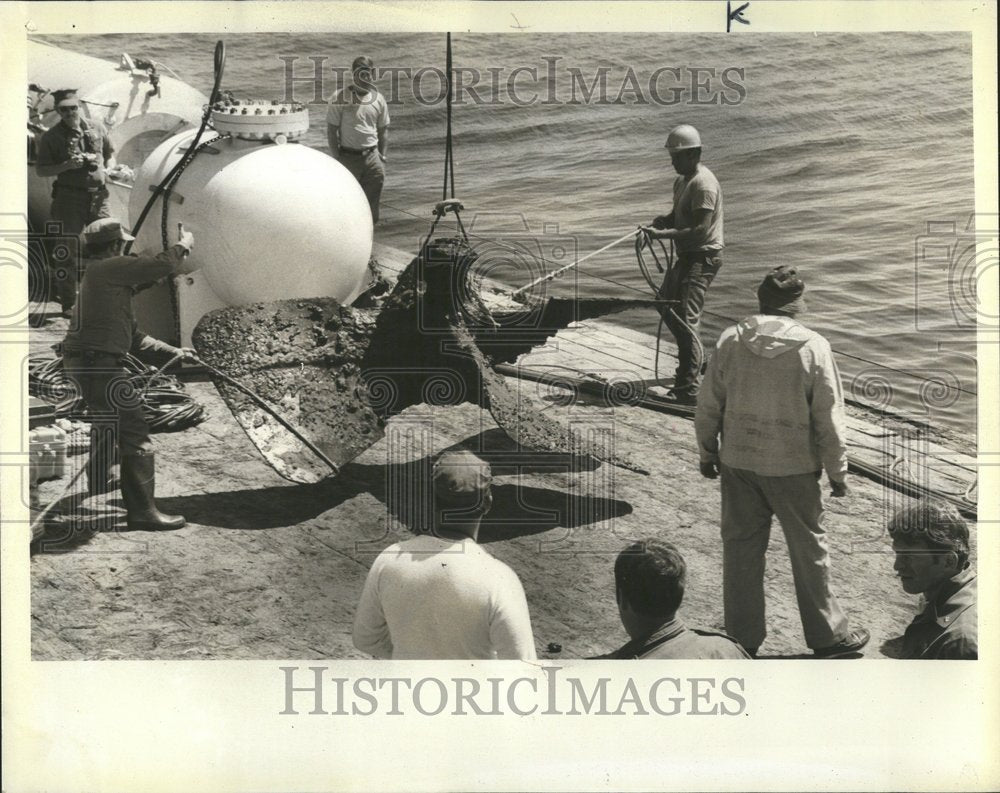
(683, 137)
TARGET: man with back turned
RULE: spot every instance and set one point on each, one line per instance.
(773, 392)
(650, 578)
(440, 594)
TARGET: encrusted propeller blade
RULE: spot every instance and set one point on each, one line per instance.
(302, 358)
(313, 382)
(525, 423)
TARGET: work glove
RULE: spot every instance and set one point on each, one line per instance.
(710, 470)
(186, 239)
(838, 489)
(660, 222)
(187, 354)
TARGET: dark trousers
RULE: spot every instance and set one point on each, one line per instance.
(370, 173)
(113, 406)
(72, 208)
(687, 284)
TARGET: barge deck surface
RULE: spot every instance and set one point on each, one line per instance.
(267, 569)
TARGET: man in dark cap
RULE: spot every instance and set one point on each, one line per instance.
(102, 331)
(773, 391)
(78, 153)
(650, 577)
(440, 595)
(931, 541)
(357, 128)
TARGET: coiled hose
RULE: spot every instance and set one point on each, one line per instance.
(644, 242)
(166, 406)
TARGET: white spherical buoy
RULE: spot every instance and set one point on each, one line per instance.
(270, 222)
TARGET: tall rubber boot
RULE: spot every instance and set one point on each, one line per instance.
(138, 490)
(102, 457)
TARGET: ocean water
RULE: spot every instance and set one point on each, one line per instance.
(834, 151)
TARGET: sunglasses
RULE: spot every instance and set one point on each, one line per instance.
(63, 108)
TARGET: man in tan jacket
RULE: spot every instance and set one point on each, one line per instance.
(773, 392)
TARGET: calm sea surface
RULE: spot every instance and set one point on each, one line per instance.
(837, 153)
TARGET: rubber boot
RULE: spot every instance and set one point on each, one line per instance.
(102, 457)
(138, 490)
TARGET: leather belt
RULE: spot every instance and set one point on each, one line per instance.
(344, 149)
(80, 189)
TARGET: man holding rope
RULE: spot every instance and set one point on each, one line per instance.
(695, 226)
(102, 331)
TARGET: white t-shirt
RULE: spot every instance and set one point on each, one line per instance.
(429, 597)
(357, 118)
(701, 190)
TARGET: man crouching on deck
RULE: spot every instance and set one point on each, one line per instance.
(440, 595)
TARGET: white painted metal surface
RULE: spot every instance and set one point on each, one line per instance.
(270, 221)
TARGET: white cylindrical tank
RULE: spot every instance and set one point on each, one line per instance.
(118, 97)
(271, 221)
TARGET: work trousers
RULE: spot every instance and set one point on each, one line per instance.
(749, 501)
(686, 284)
(369, 170)
(73, 208)
(114, 407)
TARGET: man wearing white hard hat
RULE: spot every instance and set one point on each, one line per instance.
(695, 226)
(439, 594)
(102, 332)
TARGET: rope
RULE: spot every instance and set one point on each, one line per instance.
(173, 74)
(100, 104)
(556, 273)
(643, 242)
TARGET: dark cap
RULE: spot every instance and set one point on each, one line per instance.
(782, 290)
(461, 479)
(362, 62)
(62, 94)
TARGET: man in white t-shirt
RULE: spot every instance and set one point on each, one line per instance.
(357, 130)
(440, 595)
